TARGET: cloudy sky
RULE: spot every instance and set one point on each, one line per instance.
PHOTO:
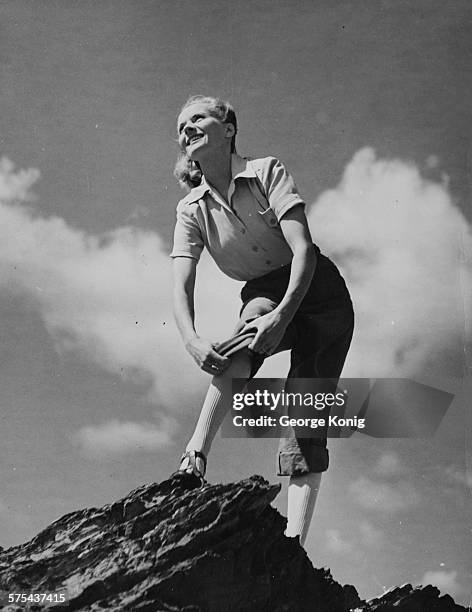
(369, 105)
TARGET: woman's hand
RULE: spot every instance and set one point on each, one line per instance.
(270, 331)
(206, 357)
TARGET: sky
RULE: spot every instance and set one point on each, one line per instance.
(369, 105)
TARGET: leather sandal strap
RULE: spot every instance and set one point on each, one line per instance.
(192, 455)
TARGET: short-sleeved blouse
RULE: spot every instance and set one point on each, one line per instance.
(242, 233)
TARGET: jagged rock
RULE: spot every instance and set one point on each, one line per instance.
(351, 597)
(412, 599)
(176, 547)
(172, 546)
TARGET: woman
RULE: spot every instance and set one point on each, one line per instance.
(249, 216)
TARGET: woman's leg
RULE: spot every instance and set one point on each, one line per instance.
(305, 459)
(302, 494)
(216, 404)
(244, 364)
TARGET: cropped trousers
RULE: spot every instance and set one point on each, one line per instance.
(318, 337)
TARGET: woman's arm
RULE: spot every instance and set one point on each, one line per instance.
(271, 327)
(184, 312)
(295, 229)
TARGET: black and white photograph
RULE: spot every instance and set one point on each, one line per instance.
(236, 305)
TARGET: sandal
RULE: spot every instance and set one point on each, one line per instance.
(191, 468)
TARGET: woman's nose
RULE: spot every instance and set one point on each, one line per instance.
(189, 128)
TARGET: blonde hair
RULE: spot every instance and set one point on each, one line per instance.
(188, 172)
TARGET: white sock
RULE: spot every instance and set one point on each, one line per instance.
(216, 404)
(302, 494)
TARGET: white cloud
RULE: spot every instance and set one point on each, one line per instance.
(368, 537)
(335, 543)
(121, 437)
(108, 297)
(406, 251)
(445, 581)
(385, 497)
(16, 184)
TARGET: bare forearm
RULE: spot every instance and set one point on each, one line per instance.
(184, 314)
(301, 274)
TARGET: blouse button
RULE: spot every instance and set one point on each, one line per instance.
(273, 222)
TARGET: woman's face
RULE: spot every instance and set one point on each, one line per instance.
(199, 131)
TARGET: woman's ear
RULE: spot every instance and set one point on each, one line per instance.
(230, 130)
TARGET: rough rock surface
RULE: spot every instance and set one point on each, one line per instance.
(176, 547)
(412, 599)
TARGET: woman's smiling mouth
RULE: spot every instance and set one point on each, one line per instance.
(194, 138)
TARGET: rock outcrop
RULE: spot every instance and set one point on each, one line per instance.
(179, 547)
(412, 599)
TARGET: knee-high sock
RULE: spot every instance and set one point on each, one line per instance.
(302, 494)
(217, 402)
